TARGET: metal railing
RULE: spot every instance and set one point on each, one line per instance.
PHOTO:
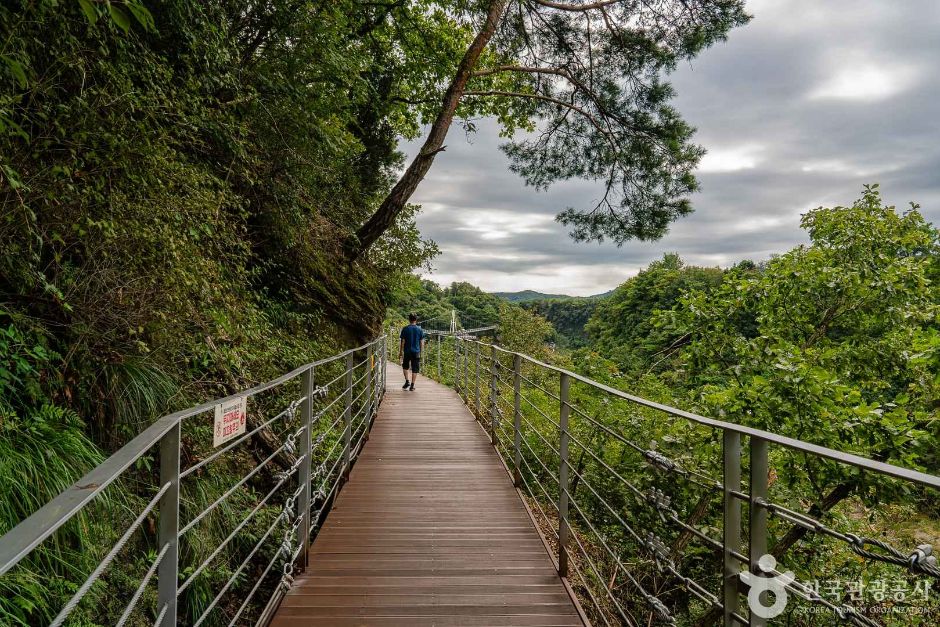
(607, 504)
(309, 425)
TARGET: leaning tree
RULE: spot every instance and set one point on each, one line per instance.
(579, 87)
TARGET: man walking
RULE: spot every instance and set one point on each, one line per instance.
(412, 339)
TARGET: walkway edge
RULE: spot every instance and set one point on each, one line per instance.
(548, 548)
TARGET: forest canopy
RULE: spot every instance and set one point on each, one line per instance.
(835, 343)
(177, 181)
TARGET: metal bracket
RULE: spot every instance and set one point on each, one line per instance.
(923, 554)
(661, 501)
(660, 461)
(660, 552)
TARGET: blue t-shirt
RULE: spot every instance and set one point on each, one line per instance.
(412, 334)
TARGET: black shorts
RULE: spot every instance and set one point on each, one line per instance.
(412, 361)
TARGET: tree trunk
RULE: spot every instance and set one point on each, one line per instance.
(385, 215)
(795, 534)
(701, 508)
(579, 472)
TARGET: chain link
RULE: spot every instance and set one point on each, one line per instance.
(290, 548)
(920, 560)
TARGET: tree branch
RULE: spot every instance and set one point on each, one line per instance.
(563, 103)
(397, 198)
(564, 6)
(567, 75)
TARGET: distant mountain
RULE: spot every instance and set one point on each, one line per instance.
(530, 295)
(526, 295)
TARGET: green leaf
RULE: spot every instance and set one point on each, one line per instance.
(11, 177)
(7, 124)
(17, 69)
(89, 9)
(120, 17)
(141, 14)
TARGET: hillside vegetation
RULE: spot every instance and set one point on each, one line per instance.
(836, 342)
(526, 295)
(177, 187)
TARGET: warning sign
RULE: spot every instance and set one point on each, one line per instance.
(230, 420)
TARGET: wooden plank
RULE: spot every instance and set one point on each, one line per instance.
(428, 531)
(429, 621)
(464, 609)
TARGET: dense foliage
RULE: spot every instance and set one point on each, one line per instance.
(622, 326)
(569, 316)
(836, 343)
(433, 304)
(177, 184)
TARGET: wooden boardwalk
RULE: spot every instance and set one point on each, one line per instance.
(429, 531)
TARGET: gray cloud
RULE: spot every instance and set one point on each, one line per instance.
(798, 109)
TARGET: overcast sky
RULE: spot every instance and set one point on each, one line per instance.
(798, 109)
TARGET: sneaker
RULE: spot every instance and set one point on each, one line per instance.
(412, 388)
(405, 387)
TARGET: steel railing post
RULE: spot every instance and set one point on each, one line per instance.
(476, 382)
(731, 482)
(466, 372)
(303, 505)
(168, 534)
(384, 371)
(464, 359)
(563, 414)
(347, 418)
(494, 408)
(440, 339)
(517, 418)
(757, 517)
(376, 377)
(370, 369)
(456, 364)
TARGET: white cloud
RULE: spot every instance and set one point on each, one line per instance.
(730, 159)
(495, 224)
(864, 81)
(761, 224)
(847, 168)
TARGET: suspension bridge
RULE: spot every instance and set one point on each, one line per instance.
(495, 495)
(458, 325)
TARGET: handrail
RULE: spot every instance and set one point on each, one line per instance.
(492, 388)
(840, 456)
(40, 525)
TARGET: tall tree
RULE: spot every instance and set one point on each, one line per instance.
(584, 81)
(839, 347)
